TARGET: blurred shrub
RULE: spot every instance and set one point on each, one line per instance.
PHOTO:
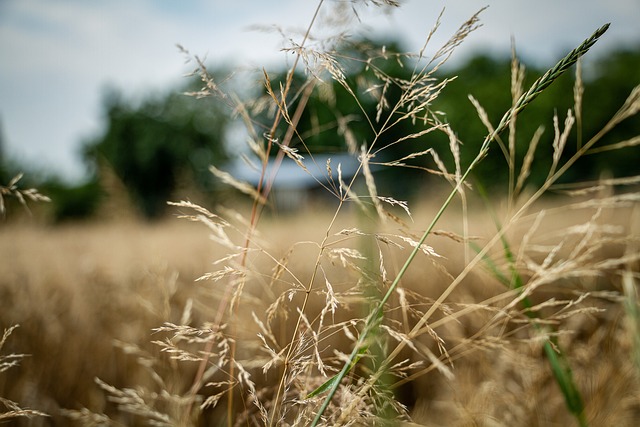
(607, 83)
(331, 109)
(72, 202)
(150, 144)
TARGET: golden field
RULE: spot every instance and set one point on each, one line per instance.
(87, 298)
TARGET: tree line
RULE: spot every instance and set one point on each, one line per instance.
(164, 141)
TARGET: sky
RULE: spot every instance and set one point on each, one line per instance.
(57, 57)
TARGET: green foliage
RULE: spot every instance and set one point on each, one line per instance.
(73, 202)
(151, 145)
(344, 115)
(610, 81)
(607, 83)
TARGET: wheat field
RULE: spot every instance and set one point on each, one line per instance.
(88, 299)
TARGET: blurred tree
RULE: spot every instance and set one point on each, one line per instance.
(345, 115)
(488, 80)
(609, 82)
(72, 202)
(607, 85)
(150, 145)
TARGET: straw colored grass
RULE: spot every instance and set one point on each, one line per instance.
(88, 299)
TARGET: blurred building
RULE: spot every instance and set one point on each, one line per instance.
(295, 186)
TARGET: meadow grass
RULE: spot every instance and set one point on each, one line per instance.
(101, 290)
(453, 310)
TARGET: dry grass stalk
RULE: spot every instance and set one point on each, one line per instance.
(11, 409)
(13, 190)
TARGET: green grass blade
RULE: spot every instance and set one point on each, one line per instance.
(564, 377)
(560, 366)
(633, 313)
(327, 385)
(324, 387)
